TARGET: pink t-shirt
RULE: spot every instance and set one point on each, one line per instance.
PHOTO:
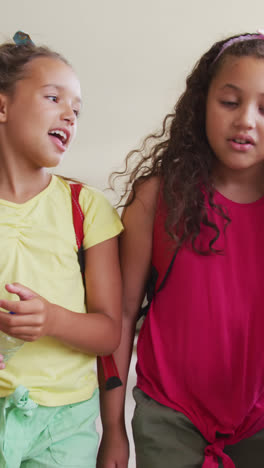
(201, 347)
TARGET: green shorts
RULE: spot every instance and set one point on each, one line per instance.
(33, 436)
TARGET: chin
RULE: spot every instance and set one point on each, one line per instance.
(53, 161)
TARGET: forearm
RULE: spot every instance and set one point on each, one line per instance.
(112, 402)
(95, 333)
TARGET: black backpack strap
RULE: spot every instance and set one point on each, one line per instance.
(163, 255)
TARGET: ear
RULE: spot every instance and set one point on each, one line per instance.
(3, 108)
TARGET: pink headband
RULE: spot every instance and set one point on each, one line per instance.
(245, 37)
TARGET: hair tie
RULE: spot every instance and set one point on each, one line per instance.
(242, 38)
(21, 38)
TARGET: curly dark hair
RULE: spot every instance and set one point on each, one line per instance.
(181, 155)
(14, 59)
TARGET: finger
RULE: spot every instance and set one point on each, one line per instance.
(18, 307)
(27, 338)
(5, 318)
(9, 306)
(2, 364)
(8, 322)
(22, 291)
(26, 333)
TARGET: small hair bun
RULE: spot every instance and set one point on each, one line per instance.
(21, 38)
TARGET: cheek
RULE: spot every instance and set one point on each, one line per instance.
(210, 123)
(210, 133)
(74, 132)
(214, 131)
(262, 129)
(217, 122)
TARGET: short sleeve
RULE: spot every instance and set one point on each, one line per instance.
(101, 220)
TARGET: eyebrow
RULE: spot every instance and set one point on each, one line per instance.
(59, 87)
(230, 85)
(234, 88)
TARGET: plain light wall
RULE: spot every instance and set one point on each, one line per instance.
(132, 58)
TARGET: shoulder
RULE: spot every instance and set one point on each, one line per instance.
(91, 194)
(96, 206)
(88, 197)
(145, 198)
(101, 220)
(148, 190)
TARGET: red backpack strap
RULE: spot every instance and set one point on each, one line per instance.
(111, 374)
(77, 213)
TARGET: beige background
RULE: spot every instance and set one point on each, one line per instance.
(132, 57)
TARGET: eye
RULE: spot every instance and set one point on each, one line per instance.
(230, 104)
(261, 109)
(52, 98)
(76, 112)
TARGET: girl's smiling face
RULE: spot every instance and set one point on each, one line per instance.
(235, 114)
(39, 119)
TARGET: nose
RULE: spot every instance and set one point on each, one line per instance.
(245, 117)
(68, 114)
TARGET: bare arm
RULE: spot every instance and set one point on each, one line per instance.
(98, 331)
(135, 258)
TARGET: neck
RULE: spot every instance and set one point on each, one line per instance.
(19, 183)
(245, 186)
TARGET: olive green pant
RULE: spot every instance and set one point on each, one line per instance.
(165, 438)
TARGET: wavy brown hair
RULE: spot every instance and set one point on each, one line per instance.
(181, 155)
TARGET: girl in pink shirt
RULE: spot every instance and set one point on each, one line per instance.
(200, 388)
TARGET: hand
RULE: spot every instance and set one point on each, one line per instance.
(2, 364)
(113, 450)
(32, 315)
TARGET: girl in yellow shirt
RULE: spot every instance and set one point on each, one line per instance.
(48, 389)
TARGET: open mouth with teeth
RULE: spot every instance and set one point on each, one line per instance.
(60, 135)
(242, 142)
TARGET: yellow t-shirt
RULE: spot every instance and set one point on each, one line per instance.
(38, 249)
